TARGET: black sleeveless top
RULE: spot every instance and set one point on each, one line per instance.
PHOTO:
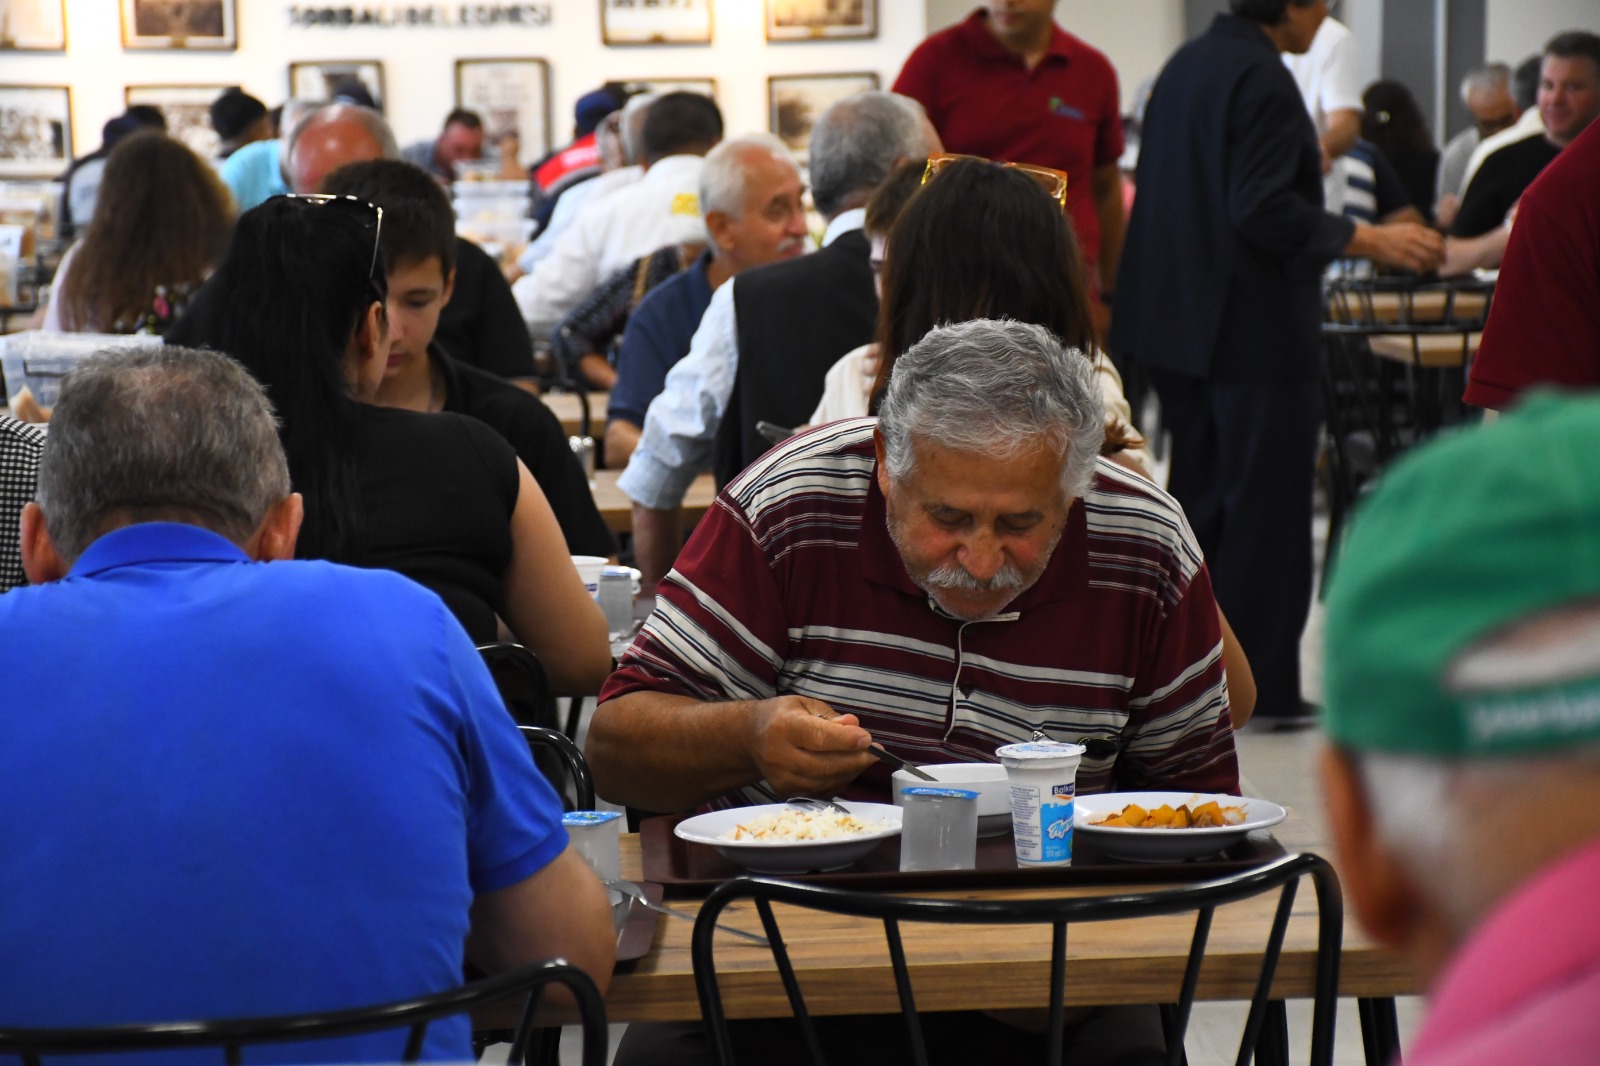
(435, 497)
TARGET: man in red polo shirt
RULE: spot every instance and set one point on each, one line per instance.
(1009, 84)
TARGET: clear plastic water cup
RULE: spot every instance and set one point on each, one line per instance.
(939, 830)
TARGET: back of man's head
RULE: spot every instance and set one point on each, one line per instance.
(857, 143)
(1463, 657)
(1266, 12)
(679, 124)
(1488, 80)
(631, 128)
(332, 136)
(159, 434)
(1525, 82)
(418, 221)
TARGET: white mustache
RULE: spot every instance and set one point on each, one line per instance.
(955, 576)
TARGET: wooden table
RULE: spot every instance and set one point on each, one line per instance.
(568, 407)
(617, 509)
(844, 969)
(1434, 351)
(1427, 306)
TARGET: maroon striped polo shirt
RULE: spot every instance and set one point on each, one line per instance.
(791, 585)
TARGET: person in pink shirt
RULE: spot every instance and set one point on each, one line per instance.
(1462, 710)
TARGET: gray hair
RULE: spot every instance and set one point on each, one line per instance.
(1429, 812)
(364, 117)
(159, 434)
(994, 386)
(1492, 78)
(631, 128)
(857, 143)
(724, 177)
(295, 111)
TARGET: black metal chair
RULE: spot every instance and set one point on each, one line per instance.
(1265, 1029)
(231, 1036)
(541, 739)
(523, 684)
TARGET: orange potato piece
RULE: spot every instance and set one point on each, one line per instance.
(1180, 818)
(1162, 815)
(1208, 814)
(1113, 821)
(1135, 816)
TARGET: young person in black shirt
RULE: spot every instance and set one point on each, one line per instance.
(419, 249)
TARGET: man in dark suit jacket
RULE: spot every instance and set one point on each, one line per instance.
(769, 336)
(1219, 297)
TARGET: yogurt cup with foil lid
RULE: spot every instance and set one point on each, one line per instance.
(1043, 777)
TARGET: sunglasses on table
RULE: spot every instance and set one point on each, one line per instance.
(370, 214)
(1053, 182)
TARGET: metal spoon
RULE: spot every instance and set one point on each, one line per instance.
(817, 804)
(628, 888)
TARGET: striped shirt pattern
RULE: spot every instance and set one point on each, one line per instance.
(791, 585)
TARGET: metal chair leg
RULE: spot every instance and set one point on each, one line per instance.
(1380, 1031)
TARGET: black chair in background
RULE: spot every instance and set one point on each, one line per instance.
(523, 684)
(1265, 1034)
(542, 739)
(231, 1036)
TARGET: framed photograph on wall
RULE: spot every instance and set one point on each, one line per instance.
(202, 24)
(33, 25)
(320, 79)
(654, 22)
(703, 86)
(821, 20)
(511, 96)
(188, 111)
(795, 101)
(35, 130)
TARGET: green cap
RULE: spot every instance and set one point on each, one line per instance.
(1477, 530)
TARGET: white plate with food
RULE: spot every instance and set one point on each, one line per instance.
(779, 838)
(1170, 826)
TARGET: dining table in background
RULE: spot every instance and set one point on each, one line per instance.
(569, 408)
(617, 510)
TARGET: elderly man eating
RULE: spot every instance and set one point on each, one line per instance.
(941, 582)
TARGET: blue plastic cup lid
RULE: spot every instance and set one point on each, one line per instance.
(581, 819)
(941, 793)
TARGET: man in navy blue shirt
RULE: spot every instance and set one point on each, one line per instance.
(750, 191)
(236, 784)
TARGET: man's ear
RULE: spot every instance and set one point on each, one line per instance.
(449, 288)
(883, 467)
(275, 538)
(719, 226)
(40, 560)
(1380, 890)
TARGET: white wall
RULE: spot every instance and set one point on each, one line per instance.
(1516, 29)
(419, 64)
(1136, 35)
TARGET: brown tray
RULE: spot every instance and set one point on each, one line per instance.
(636, 923)
(684, 868)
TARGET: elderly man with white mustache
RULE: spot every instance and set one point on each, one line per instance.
(941, 581)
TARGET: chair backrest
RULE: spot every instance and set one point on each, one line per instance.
(231, 1036)
(523, 684)
(541, 739)
(1203, 898)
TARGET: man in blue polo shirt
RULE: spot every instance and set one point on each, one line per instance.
(236, 784)
(750, 192)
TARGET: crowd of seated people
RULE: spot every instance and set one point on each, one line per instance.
(939, 525)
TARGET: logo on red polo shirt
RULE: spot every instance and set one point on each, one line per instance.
(1060, 107)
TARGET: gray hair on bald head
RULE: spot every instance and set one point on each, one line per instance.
(724, 177)
(1494, 78)
(996, 387)
(856, 144)
(364, 117)
(159, 434)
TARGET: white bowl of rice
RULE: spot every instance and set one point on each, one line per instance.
(776, 838)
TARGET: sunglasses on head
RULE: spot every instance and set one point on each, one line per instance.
(1053, 182)
(371, 214)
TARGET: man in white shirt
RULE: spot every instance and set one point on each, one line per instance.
(1525, 92)
(662, 208)
(1487, 94)
(1330, 80)
(855, 146)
